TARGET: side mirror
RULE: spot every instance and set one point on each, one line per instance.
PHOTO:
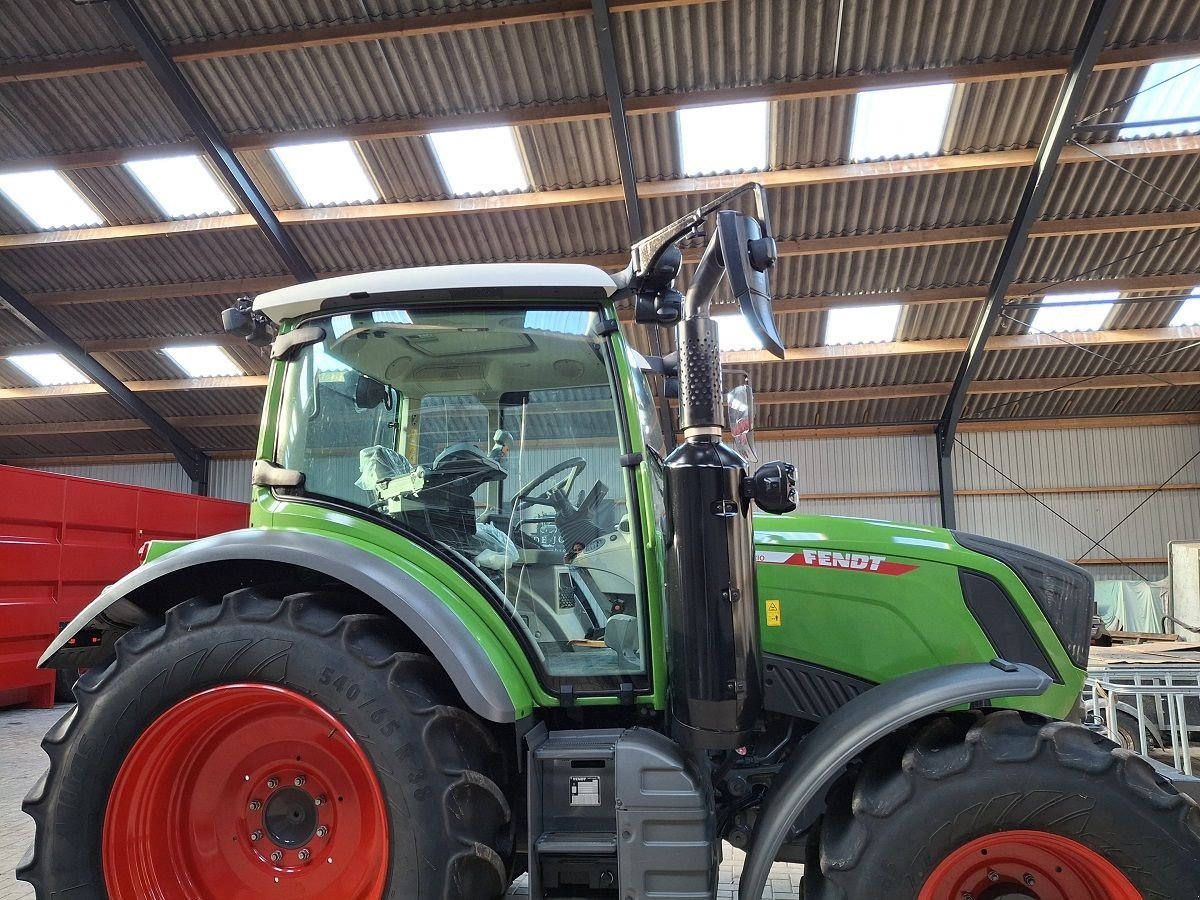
(748, 255)
(242, 321)
(369, 393)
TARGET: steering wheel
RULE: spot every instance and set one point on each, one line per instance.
(555, 494)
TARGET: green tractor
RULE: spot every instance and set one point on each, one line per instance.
(487, 621)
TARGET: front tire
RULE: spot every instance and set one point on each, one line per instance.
(263, 744)
(1005, 805)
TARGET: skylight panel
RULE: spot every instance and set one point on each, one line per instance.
(561, 321)
(181, 186)
(203, 361)
(49, 200)
(1189, 312)
(327, 173)
(1178, 98)
(326, 362)
(900, 122)
(735, 335)
(480, 160)
(726, 138)
(1073, 312)
(48, 369)
(862, 324)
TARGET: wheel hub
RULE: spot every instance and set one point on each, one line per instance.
(291, 817)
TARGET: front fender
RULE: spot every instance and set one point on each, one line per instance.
(852, 728)
(447, 637)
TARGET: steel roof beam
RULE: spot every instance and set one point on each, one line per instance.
(1058, 131)
(191, 457)
(140, 33)
(602, 25)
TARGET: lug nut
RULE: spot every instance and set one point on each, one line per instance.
(320, 801)
(255, 805)
(1029, 879)
(992, 876)
(276, 855)
(272, 782)
(322, 831)
(299, 781)
(304, 855)
(256, 835)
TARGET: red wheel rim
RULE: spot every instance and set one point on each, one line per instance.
(246, 791)
(1036, 864)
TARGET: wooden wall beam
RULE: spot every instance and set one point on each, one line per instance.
(573, 111)
(707, 184)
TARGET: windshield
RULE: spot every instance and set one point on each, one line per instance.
(496, 435)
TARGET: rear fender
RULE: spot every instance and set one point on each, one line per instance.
(854, 727)
(227, 560)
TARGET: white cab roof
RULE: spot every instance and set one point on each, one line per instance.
(290, 302)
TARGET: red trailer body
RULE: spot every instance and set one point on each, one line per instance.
(62, 540)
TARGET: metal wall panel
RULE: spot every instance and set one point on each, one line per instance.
(1083, 458)
(1076, 457)
(165, 476)
(860, 464)
(906, 463)
(1153, 572)
(228, 479)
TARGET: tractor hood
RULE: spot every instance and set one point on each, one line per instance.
(874, 600)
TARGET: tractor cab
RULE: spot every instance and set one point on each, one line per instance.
(495, 433)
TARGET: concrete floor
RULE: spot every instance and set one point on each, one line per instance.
(22, 761)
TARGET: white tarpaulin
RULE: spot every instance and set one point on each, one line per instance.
(1131, 605)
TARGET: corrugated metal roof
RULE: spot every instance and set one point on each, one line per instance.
(677, 49)
(173, 259)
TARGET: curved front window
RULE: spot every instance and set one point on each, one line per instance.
(496, 435)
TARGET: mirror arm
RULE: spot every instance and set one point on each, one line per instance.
(705, 281)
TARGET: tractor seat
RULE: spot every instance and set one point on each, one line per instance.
(379, 464)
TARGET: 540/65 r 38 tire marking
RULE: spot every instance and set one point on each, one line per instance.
(246, 789)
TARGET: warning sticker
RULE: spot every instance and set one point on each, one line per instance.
(833, 559)
(774, 617)
(585, 790)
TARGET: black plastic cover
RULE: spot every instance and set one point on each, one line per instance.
(701, 402)
(748, 255)
(1064, 592)
(804, 690)
(1002, 623)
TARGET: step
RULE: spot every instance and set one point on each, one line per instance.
(577, 843)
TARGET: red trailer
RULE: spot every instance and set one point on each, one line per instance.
(62, 539)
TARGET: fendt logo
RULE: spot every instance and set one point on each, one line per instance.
(833, 559)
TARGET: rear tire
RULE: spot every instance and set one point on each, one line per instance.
(1062, 811)
(64, 684)
(144, 795)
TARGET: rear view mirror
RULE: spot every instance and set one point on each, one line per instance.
(748, 255)
(369, 393)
